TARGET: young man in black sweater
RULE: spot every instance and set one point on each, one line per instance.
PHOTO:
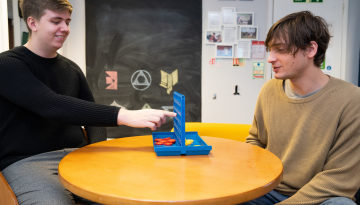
(44, 101)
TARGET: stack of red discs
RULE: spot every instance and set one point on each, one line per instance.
(168, 141)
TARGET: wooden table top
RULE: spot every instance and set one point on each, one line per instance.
(127, 171)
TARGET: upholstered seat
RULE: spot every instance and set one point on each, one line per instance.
(223, 130)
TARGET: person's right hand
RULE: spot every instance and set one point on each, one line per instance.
(150, 118)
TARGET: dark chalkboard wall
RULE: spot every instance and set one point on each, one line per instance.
(132, 37)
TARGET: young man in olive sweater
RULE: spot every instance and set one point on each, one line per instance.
(310, 120)
(44, 101)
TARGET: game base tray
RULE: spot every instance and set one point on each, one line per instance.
(198, 147)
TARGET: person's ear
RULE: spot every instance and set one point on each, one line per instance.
(32, 23)
(312, 49)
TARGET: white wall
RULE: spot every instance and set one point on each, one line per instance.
(342, 57)
(19, 24)
(352, 43)
(219, 104)
(4, 36)
(74, 47)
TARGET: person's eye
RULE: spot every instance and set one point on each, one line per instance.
(280, 50)
(56, 22)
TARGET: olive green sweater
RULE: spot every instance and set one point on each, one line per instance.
(317, 139)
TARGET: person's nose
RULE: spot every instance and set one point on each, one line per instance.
(271, 58)
(65, 27)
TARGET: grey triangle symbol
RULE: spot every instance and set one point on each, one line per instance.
(141, 74)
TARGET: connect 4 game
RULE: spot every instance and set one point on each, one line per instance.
(179, 142)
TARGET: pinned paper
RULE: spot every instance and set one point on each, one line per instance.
(168, 80)
(235, 61)
(212, 61)
(238, 62)
(258, 70)
(243, 49)
(241, 62)
(258, 49)
(111, 80)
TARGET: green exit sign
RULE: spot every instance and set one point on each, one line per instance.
(316, 1)
(299, 1)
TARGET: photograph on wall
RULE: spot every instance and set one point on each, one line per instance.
(230, 34)
(248, 33)
(228, 16)
(213, 36)
(243, 49)
(214, 20)
(225, 51)
(245, 18)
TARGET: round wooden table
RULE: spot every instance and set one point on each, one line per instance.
(127, 171)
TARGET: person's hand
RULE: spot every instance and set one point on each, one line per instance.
(150, 118)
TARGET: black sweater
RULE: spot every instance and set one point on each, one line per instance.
(43, 103)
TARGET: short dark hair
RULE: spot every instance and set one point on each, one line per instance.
(36, 8)
(297, 30)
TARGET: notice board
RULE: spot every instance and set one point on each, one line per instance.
(138, 52)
